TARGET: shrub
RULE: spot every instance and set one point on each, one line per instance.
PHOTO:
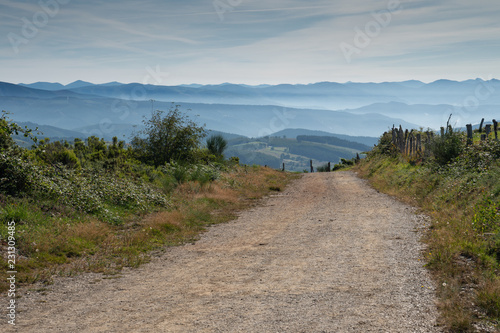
(167, 137)
(216, 144)
(384, 146)
(234, 160)
(323, 168)
(9, 128)
(486, 218)
(14, 174)
(446, 147)
(180, 174)
(57, 153)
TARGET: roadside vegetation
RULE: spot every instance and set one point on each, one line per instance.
(91, 205)
(458, 186)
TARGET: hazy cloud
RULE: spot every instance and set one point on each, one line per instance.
(249, 41)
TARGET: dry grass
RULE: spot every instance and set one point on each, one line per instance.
(70, 246)
(458, 257)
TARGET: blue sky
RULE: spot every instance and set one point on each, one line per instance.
(248, 41)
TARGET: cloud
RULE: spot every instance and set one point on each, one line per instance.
(256, 41)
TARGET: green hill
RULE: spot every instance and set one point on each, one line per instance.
(274, 151)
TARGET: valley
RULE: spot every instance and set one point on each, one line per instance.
(261, 123)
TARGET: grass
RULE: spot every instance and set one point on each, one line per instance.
(59, 240)
(463, 200)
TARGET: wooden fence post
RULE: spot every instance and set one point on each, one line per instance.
(312, 169)
(401, 139)
(411, 146)
(495, 128)
(283, 166)
(329, 167)
(419, 142)
(469, 134)
(488, 131)
(481, 126)
(483, 137)
(407, 142)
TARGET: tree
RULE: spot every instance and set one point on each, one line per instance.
(166, 137)
(8, 128)
(216, 144)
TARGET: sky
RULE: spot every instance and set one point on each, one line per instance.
(170, 42)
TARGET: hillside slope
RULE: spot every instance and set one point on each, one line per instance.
(458, 185)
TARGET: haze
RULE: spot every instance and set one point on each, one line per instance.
(253, 42)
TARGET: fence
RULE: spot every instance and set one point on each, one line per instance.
(329, 167)
(412, 143)
(408, 142)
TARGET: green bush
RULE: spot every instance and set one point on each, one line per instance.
(167, 137)
(234, 160)
(216, 144)
(180, 174)
(15, 174)
(486, 218)
(445, 148)
(384, 146)
(323, 168)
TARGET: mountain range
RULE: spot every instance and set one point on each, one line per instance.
(356, 109)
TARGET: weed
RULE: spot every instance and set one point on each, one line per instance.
(56, 236)
(459, 188)
(489, 298)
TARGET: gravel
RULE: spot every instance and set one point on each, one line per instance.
(329, 254)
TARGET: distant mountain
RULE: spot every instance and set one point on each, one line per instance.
(294, 132)
(73, 110)
(53, 86)
(44, 85)
(333, 141)
(227, 136)
(192, 85)
(52, 132)
(114, 83)
(108, 130)
(325, 95)
(78, 84)
(433, 116)
(12, 90)
(412, 84)
(322, 95)
(355, 109)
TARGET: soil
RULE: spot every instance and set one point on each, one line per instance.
(328, 254)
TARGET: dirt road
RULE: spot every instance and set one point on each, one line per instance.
(329, 254)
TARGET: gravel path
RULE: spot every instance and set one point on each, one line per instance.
(329, 254)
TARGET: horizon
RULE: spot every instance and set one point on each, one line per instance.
(259, 84)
